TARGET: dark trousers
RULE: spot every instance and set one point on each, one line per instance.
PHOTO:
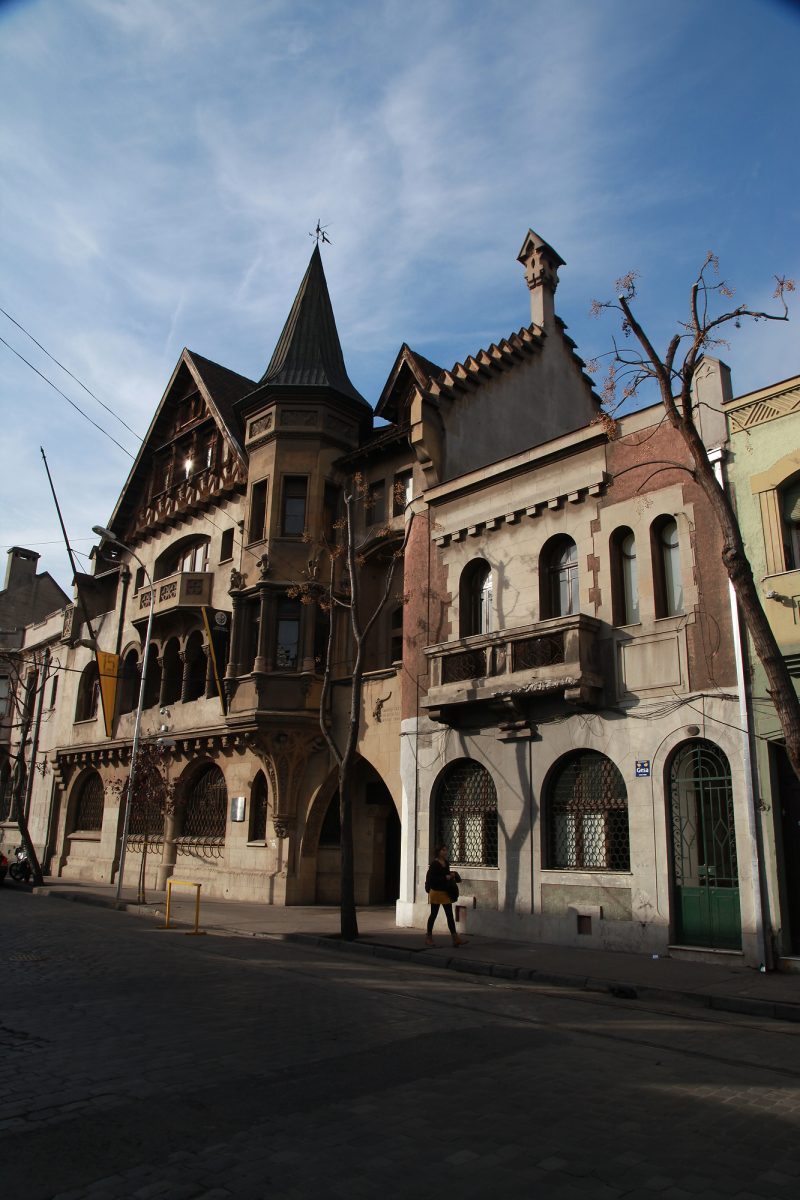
(448, 912)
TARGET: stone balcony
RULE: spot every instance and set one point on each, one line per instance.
(512, 666)
(187, 589)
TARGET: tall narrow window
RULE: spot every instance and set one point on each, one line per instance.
(88, 694)
(624, 580)
(287, 642)
(559, 578)
(226, 546)
(256, 530)
(330, 512)
(403, 491)
(790, 514)
(89, 806)
(475, 599)
(376, 503)
(667, 564)
(293, 516)
(258, 809)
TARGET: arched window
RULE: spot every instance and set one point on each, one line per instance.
(5, 792)
(172, 673)
(88, 694)
(624, 579)
(130, 680)
(667, 567)
(466, 814)
(89, 804)
(790, 518)
(475, 599)
(558, 576)
(188, 554)
(703, 839)
(152, 689)
(195, 667)
(206, 811)
(586, 809)
(258, 809)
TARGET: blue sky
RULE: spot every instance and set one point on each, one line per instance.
(164, 160)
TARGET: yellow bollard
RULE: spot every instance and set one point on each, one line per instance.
(196, 932)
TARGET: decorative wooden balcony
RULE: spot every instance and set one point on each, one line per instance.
(186, 589)
(514, 666)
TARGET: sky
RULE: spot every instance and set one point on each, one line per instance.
(162, 163)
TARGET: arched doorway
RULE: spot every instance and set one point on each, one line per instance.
(704, 865)
(376, 843)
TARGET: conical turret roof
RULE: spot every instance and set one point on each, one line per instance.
(308, 353)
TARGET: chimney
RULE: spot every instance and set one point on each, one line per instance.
(712, 391)
(20, 568)
(541, 263)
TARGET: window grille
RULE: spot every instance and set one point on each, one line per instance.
(89, 809)
(588, 816)
(530, 653)
(205, 813)
(469, 664)
(703, 837)
(467, 815)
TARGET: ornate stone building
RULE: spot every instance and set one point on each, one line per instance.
(552, 689)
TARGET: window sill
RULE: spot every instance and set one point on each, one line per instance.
(86, 720)
(85, 835)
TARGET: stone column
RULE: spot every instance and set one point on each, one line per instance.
(262, 665)
(232, 669)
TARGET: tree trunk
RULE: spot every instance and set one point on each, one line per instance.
(18, 787)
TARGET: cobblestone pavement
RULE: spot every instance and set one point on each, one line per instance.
(144, 1063)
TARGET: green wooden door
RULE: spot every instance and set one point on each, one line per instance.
(706, 878)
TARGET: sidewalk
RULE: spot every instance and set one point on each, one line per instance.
(722, 986)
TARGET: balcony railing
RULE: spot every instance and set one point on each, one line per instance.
(556, 656)
(187, 589)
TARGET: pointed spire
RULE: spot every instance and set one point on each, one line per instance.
(308, 353)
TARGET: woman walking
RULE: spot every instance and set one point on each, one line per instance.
(439, 879)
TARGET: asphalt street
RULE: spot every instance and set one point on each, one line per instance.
(146, 1063)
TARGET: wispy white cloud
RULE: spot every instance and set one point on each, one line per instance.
(163, 164)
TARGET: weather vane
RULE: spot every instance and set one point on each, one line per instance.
(319, 234)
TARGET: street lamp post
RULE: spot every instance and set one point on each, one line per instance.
(110, 537)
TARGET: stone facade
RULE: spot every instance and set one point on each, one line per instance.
(549, 689)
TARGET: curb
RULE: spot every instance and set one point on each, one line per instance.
(777, 1010)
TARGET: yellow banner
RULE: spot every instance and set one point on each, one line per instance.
(108, 670)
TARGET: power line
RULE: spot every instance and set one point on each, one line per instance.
(52, 358)
(66, 397)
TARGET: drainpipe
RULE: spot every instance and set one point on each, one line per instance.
(715, 457)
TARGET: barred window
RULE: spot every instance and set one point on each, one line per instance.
(206, 809)
(587, 815)
(89, 807)
(466, 814)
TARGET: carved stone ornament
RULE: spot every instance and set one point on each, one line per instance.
(260, 425)
(263, 566)
(238, 580)
(281, 827)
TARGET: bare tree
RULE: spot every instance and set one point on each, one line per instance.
(636, 362)
(343, 593)
(25, 691)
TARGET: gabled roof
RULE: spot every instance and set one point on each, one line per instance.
(220, 389)
(308, 353)
(410, 369)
